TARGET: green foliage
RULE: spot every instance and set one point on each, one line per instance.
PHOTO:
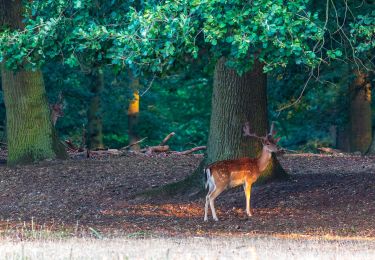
(363, 32)
(179, 103)
(161, 38)
(324, 104)
(159, 35)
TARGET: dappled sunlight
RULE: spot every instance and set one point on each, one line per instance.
(187, 210)
(322, 203)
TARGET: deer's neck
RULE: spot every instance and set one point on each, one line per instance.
(264, 159)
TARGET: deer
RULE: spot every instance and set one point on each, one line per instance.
(57, 109)
(225, 174)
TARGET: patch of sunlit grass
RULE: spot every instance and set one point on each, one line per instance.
(32, 230)
(165, 210)
(262, 247)
(323, 237)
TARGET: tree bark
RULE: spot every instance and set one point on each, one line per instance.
(343, 143)
(30, 134)
(360, 113)
(235, 100)
(95, 123)
(371, 150)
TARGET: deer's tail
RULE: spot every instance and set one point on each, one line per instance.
(207, 174)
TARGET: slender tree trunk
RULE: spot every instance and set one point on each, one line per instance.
(360, 113)
(30, 134)
(133, 114)
(95, 123)
(235, 100)
(343, 143)
(371, 150)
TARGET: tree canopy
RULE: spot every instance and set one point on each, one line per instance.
(156, 35)
(295, 40)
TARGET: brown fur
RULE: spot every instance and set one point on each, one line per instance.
(244, 171)
(241, 169)
(231, 173)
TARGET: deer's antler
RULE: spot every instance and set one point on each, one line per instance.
(269, 136)
(246, 132)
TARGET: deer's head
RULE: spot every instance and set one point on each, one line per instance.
(269, 141)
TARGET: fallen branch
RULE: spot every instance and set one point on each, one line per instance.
(71, 146)
(130, 145)
(191, 150)
(165, 140)
(156, 149)
(88, 153)
(284, 150)
(108, 151)
(329, 150)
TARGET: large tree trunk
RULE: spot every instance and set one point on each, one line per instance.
(235, 100)
(95, 123)
(360, 113)
(30, 134)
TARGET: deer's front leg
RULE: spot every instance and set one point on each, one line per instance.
(206, 207)
(247, 188)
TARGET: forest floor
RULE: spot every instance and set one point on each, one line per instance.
(326, 196)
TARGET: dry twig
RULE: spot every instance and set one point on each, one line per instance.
(198, 148)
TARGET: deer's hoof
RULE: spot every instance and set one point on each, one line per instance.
(205, 219)
(216, 219)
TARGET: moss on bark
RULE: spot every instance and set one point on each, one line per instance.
(30, 133)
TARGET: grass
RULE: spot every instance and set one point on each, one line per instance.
(33, 241)
(188, 248)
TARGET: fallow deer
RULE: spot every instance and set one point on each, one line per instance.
(231, 173)
(57, 109)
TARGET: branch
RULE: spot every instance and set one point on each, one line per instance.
(300, 96)
(198, 148)
(71, 146)
(329, 150)
(165, 140)
(158, 148)
(130, 145)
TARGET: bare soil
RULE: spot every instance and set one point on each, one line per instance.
(325, 196)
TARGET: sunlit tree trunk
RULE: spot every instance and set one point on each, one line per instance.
(133, 113)
(30, 134)
(95, 123)
(235, 100)
(360, 113)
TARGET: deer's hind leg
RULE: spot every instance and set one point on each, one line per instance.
(212, 196)
(211, 187)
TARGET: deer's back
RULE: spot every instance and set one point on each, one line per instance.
(236, 171)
